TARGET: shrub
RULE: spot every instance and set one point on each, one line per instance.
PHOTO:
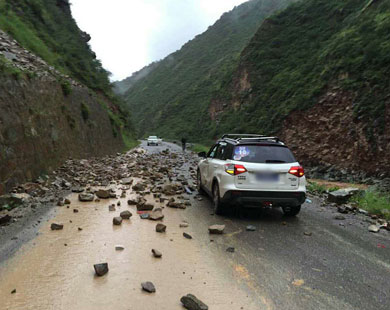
(84, 111)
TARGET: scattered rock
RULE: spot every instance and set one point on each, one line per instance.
(5, 219)
(119, 247)
(55, 226)
(184, 225)
(101, 269)
(361, 211)
(117, 220)
(230, 249)
(127, 181)
(139, 187)
(126, 215)
(86, 197)
(75, 211)
(103, 194)
(67, 201)
(190, 302)
(251, 228)
(161, 228)
(145, 207)
(156, 253)
(339, 217)
(13, 291)
(373, 228)
(111, 208)
(342, 196)
(188, 236)
(216, 229)
(148, 287)
(131, 202)
(156, 215)
(306, 233)
(342, 209)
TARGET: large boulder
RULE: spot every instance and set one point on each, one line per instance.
(85, 197)
(13, 200)
(103, 193)
(342, 195)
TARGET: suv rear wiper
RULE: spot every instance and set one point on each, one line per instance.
(274, 161)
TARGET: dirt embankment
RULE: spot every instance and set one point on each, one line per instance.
(45, 118)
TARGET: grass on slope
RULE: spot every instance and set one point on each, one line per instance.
(314, 45)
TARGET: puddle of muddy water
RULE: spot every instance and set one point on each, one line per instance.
(55, 271)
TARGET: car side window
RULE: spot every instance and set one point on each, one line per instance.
(220, 154)
(212, 151)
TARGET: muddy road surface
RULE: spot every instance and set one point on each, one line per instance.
(313, 261)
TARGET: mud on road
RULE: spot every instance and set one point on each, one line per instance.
(310, 262)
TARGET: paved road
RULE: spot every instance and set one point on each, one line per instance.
(339, 266)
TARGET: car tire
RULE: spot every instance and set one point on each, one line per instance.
(218, 206)
(291, 211)
(199, 183)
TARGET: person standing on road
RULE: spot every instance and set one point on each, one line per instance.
(183, 144)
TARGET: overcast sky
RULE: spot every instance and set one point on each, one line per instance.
(129, 34)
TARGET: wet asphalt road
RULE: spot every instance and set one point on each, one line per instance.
(312, 261)
(340, 265)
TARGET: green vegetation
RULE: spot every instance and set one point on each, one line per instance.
(315, 45)
(7, 69)
(316, 188)
(84, 111)
(46, 28)
(66, 88)
(374, 202)
(172, 97)
(197, 148)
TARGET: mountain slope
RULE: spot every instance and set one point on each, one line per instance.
(317, 74)
(173, 99)
(56, 101)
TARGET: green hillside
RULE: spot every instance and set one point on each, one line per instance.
(46, 28)
(301, 52)
(173, 99)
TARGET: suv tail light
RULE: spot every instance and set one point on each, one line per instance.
(297, 171)
(233, 169)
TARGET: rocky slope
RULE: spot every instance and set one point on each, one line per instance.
(48, 115)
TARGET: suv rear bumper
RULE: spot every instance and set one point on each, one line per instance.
(259, 198)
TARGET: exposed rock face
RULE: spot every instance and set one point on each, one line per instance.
(329, 134)
(40, 126)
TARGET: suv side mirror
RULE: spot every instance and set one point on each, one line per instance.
(202, 154)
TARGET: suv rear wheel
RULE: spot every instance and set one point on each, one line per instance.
(218, 206)
(291, 211)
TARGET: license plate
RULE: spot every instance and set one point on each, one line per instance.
(267, 177)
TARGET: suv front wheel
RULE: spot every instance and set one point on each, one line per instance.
(199, 183)
(218, 206)
(291, 211)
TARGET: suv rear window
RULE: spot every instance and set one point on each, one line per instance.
(264, 154)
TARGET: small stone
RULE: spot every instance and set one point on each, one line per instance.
(13, 291)
(361, 211)
(86, 197)
(339, 217)
(306, 233)
(230, 249)
(103, 194)
(117, 220)
(188, 236)
(144, 216)
(190, 302)
(101, 269)
(161, 228)
(126, 215)
(119, 247)
(156, 215)
(184, 225)
(55, 226)
(75, 211)
(67, 201)
(148, 287)
(111, 208)
(131, 202)
(156, 253)
(373, 228)
(342, 209)
(216, 229)
(251, 228)
(145, 207)
(80, 229)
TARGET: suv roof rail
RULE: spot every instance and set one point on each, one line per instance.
(231, 135)
(250, 137)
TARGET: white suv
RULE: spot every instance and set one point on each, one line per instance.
(252, 170)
